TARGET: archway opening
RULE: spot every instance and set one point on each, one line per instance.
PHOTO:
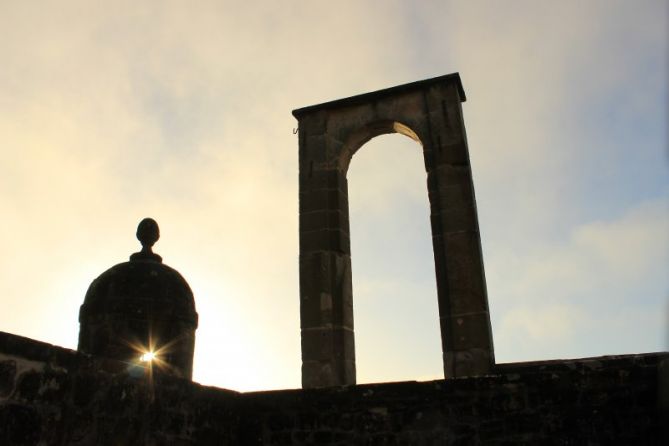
(394, 288)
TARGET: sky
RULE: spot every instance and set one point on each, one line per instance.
(115, 111)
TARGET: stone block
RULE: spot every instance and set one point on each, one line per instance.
(315, 310)
(7, 376)
(328, 344)
(317, 374)
(314, 179)
(341, 123)
(428, 159)
(325, 240)
(410, 103)
(314, 271)
(342, 307)
(456, 154)
(327, 219)
(349, 371)
(451, 196)
(472, 362)
(323, 200)
(447, 175)
(21, 424)
(463, 271)
(467, 331)
(457, 219)
(441, 275)
(325, 290)
(314, 123)
(317, 344)
(314, 150)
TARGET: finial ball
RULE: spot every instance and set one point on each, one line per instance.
(148, 232)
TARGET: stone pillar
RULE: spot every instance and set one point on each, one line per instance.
(326, 310)
(464, 317)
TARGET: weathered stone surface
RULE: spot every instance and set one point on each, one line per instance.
(7, 376)
(607, 400)
(138, 306)
(322, 200)
(330, 134)
(318, 308)
(336, 240)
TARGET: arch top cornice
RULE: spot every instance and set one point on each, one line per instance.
(373, 96)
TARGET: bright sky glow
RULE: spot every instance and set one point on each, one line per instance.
(115, 111)
(147, 357)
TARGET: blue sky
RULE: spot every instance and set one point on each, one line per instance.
(110, 113)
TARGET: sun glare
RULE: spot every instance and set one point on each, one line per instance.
(147, 357)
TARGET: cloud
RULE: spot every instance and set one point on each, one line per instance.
(635, 245)
(633, 249)
(544, 324)
(607, 280)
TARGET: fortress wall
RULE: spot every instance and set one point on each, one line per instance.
(609, 400)
(55, 396)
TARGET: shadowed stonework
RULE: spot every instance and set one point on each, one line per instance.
(50, 395)
(139, 307)
(430, 113)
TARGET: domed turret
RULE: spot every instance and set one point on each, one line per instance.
(141, 310)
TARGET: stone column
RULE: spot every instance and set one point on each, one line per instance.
(326, 305)
(466, 332)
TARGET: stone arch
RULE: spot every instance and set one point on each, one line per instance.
(367, 132)
(329, 134)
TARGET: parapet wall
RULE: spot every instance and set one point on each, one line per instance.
(50, 395)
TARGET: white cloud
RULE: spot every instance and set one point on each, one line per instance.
(589, 295)
(543, 324)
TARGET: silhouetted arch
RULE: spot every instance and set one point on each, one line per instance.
(329, 134)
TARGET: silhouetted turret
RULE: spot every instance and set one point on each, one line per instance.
(141, 310)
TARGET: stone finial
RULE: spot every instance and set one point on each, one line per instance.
(148, 234)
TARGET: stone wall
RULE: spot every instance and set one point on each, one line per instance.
(50, 395)
(599, 401)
